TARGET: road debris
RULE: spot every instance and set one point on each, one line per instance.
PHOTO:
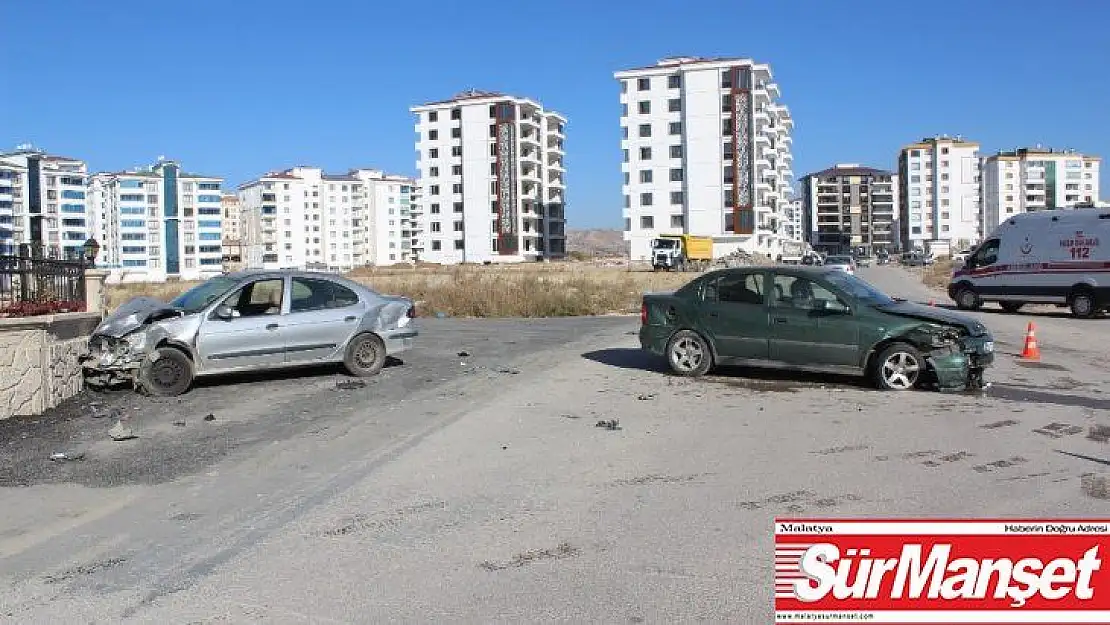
(121, 431)
(508, 370)
(179, 423)
(609, 424)
(349, 385)
(210, 417)
(1099, 433)
(464, 354)
(63, 456)
(1095, 486)
(645, 396)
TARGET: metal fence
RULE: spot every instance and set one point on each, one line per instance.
(36, 281)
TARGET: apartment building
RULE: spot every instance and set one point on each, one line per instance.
(305, 218)
(492, 179)
(42, 201)
(848, 206)
(792, 221)
(706, 145)
(939, 192)
(1032, 179)
(232, 226)
(158, 223)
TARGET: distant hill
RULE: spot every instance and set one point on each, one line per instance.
(596, 242)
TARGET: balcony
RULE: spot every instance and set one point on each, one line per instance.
(762, 115)
(529, 137)
(529, 173)
(762, 139)
(773, 89)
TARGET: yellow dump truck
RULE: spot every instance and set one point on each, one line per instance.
(681, 252)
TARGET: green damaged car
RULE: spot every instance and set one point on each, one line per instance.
(817, 319)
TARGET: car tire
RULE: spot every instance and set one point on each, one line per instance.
(365, 356)
(168, 374)
(967, 299)
(1011, 307)
(899, 367)
(1082, 303)
(688, 354)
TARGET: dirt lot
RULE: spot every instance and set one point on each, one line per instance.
(481, 488)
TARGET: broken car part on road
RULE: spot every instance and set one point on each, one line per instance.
(813, 318)
(248, 321)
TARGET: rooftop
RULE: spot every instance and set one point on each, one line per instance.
(929, 142)
(683, 61)
(478, 95)
(1039, 150)
(849, 169)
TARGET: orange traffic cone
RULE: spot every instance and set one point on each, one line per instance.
(1031, 351)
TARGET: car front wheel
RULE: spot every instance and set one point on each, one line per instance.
(967, 299)
(365, 356)
(688, 354)
(168, 374)
(899, 367)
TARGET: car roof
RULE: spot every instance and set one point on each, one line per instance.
(256, 274)
(797, 270)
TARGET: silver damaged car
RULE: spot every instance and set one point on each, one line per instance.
(247, 321)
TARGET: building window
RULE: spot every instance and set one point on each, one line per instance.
(456, 133)
(434, 189)
(645, 130)
(433, 116)
(456, 150)
(644, 107)
(458, 226)
(435, 226)
(433, 135)
(456, 188)
(433, 172)
(645, 199)
(676, 151)
(645, 175)
(676, 175)
(645, 154)
(456, 113)
(627, 201)
(456, 170)
(643, 84)
(676, 198)
(676, 128)
(434, 209)
(458, 207)
(647, 222)
(625, 155)
(674, 82)
(459, 244)
(674, 105)
(676, 221)
(944, 151)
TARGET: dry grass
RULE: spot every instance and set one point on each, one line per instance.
(938, 274)
(526, 290)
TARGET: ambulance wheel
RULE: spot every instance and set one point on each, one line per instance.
(1082, 302)
(967, 299)
(1011, 307)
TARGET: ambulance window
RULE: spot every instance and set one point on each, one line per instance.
(988, 254)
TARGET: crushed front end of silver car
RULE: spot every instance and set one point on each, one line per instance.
(123, 339)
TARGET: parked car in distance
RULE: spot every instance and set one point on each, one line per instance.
(961, 256)
(843, 263)
(249, 321)
(813, 318)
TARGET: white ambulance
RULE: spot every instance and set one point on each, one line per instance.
(1043, 257)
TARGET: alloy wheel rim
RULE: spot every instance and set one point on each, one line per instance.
(166, 373)
(687, 354)
(968, 298)
(901, 370)
(1082, 304)
(365, 354)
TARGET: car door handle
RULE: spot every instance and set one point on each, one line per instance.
(272, 326)
(780, 319)
(349, 319)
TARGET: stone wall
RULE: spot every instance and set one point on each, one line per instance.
(39, 361)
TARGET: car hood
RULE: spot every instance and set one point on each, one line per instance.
(133, 314)
(936, 315)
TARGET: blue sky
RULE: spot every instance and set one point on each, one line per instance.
(239, 87)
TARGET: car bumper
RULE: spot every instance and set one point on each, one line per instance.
(400, 340)
(654, 339)
(960, 367)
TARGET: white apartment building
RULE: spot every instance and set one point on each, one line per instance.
(707, 151)
(1032, 179)
(492, 179)
(157, 223)
(231, 222)
(939, 192)
(42, 201)
(306, 219)
(792, 224)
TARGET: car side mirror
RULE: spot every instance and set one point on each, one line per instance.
(225, 312)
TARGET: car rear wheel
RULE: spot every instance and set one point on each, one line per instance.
(967, 299)
(688, 354)
(1083, 304)
(168, 374)
(1011, 307)
(365, 356)
(899, 367)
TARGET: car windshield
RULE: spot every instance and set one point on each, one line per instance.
(196, 298)
(838, 260)
(665, 244)
(858, 288)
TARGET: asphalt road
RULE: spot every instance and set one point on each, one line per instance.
(485, 492)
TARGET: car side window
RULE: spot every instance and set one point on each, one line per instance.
(803, 294)
(988, 254)
(262, 297)
(311, 294)
(745, 288)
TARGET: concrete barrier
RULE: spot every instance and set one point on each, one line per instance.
(39, 365)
